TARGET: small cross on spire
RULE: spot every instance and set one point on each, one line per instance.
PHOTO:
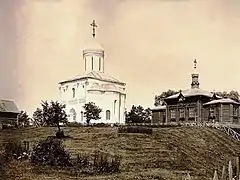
(94, 25)
(195, 64)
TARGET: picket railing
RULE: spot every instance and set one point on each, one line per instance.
(232, 173)
(226, 128)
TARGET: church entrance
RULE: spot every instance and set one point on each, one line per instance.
(72, 115)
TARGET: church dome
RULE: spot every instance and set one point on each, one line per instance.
(93, 45)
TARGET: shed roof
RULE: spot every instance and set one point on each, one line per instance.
(8, 106)
(158, 108)
(222, 101)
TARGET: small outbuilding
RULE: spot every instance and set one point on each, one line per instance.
(8, 113)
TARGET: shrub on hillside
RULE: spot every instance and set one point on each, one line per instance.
(82, 160)
(75, 124)
(50, 152)
(13, 149)
(101, 125)
(135, 129)
(98, 162)
(3, 165)
(60, 135)
(106, 163)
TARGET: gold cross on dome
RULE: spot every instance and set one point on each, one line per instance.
(94, 25)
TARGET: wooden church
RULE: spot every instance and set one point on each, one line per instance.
(196, 105)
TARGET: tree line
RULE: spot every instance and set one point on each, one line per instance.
(53, 114)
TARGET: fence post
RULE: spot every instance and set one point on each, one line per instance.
(215, 177)
(223, 173)
(188, 177)
(237, 167)
(230, 172)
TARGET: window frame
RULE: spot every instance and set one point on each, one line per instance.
(108, 115)
(173, 113)
(191, 112)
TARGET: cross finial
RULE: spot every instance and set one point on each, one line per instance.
(195, 64)
(94, 25)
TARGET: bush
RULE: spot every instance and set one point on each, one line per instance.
(99, 162)
(101, 125)
(60, 134)
(82, 161)
(135, 129)
(13, 149)
(50, 152)
(106, 163)
(154, 125)
(75, 124)
(3, 165)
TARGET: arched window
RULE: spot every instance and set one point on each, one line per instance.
(73, 89)
(107, 115)
(73, 114)
(115, 106)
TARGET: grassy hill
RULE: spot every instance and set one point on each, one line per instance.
(167, 154)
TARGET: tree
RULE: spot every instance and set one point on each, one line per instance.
(147, 115)
(92, 112)
(51, 114)
(23, 119)
(54, 113)
(159, 99)
(38, 118)
(234, 95)
(138, 115)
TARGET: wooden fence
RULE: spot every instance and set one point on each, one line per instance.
(231, 173)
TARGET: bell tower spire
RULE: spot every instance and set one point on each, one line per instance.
(195, 76)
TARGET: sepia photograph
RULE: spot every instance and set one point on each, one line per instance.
(119, 90)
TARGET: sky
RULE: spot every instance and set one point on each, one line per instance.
(149, 44)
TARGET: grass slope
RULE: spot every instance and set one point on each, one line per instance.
(167, 154)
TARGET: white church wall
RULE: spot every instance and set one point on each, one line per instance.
(106, 99)
(74, 102)
(122, 108)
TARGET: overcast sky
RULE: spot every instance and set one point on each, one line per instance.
(149, 44)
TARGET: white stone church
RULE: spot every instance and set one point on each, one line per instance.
(94, 86)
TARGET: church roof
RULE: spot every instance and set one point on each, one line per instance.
(192, 92)
(8, 106)
(222, 101)
(94, 75)
(93, 45)
(158, 107)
